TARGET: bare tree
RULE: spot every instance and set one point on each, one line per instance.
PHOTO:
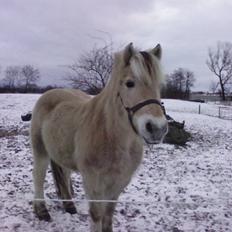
(12, 75)
(189, 80)
(30, 76)
(220, 63)
(179, 83)
(92, 70)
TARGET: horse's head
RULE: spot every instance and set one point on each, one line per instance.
(139, 91)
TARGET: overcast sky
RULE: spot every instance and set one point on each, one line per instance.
(53, 33)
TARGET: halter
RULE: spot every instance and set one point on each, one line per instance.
(131, 110)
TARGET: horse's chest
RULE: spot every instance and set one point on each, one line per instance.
(114, 160)
(111, 170)
(119, 174)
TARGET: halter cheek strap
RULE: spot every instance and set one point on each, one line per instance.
(131, 110)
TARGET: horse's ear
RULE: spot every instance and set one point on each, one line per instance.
(157, 51)
(128, 53)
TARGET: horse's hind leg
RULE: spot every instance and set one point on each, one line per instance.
(39, 173)
(64, 186)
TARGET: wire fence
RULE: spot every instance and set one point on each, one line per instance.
(213, 110)
(223, 112)
(134, 201)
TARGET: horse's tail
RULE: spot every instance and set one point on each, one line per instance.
(63, 185)
(59, 178)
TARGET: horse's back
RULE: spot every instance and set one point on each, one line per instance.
(53, 99)
(49, 100)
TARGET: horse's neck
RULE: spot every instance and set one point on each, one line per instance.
(115, 115)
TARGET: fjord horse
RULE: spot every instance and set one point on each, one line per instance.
(101, 137)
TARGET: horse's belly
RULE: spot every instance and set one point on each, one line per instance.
(60, 148)
(64, 159)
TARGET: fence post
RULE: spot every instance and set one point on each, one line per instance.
(199, 109)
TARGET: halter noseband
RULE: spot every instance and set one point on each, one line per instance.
(131, 110)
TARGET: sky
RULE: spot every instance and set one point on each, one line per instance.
(51, 34)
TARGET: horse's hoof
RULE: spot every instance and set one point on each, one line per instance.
(109, 229)
(71, 210)
(42, 212)
(70, 207)
(45, 217)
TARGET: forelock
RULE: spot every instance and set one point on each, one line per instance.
(147, 60)
(146, 67)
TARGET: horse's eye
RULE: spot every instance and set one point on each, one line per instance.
(130, 84)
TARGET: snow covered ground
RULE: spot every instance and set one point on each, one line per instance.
(175, 188)
(209, 109)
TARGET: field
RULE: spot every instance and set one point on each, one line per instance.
(175, 188)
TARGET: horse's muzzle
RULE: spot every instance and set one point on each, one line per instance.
(154, 134)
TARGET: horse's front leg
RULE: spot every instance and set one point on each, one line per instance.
(96, 210)
(101, 211)
(108, 217)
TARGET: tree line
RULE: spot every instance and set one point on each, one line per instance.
(179, 84)
(20, 79)
(91, 72)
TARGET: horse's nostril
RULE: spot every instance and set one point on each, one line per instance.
(149, 127)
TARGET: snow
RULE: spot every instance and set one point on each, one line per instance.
(175, 188)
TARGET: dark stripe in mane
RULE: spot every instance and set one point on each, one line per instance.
(147, 59)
